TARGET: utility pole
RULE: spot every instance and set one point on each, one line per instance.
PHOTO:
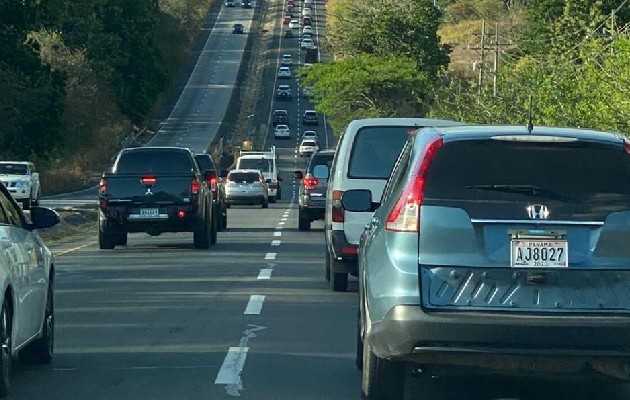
(495, 74)
(481, 65)
(483, 54)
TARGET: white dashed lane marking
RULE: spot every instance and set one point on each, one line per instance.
(254, 306)
(276, 243)
(265, 273)
(270, 256)
(277, 233)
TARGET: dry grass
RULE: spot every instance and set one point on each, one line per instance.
(75, 224)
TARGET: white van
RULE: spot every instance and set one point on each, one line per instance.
(265, 162)
(365, 156)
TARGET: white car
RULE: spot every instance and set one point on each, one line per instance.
(308, 1)
(282, 132)
(294, 24)
(286, 59)
(284, 72)
(308, 147)
(307, 44)
(306, 11)
(307, 29)
(310, 135)
(22, 181)
(306, 92)
(27, 316)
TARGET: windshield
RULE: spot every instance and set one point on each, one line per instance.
(375, 150)
(13, 169)
(260, 164)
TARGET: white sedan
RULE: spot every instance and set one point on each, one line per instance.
(307, 29)
(294, 24)
(308, 147)
(282, 132)
(306, 11)
(307, 44)
(27, 320)
(284, 72)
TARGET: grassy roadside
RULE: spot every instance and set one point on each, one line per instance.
(75, 224)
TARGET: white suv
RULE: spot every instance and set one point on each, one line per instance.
(365, 156)
(22, 181)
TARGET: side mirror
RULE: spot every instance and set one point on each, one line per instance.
(223, 173)
(298, 175)
(43, 217)
(209, 174)
(357, 200)
(321, 171)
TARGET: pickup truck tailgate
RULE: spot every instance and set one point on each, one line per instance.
(135, 189)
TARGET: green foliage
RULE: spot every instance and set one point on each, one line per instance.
(366, 86)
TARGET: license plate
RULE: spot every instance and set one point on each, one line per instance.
(149, 212)
(540, 253)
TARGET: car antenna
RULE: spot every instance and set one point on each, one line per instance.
(530, 119)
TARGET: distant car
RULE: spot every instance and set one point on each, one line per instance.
(308, 147)
(310, 135)
(286, 21)
(289, 34)
(306, 11)
(310, 117)
(284, 73)
(307, 5)
(246, 4)
(306, 92)
(280, 117)
(238, 28)
(286, 59)
(230, 3)
(22, 181)
(307, 44)
(27, 278)
(217, 187)
(313, 187)
(307, 20)
(282, 131)
(283, 92)
(294, 24)
(307, 29)
(246, 186)
(307, 1)
(291, 3)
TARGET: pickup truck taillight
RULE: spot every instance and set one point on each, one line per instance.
(194, 186)
(102, 187)
(214, 187)
(337, 208)
(310, 183)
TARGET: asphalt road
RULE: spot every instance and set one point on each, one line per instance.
(251, 317)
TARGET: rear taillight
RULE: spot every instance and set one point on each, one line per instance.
(405, 216)
(194, 186)
(102, 187)
(337, 208)
(310, 183)
(214, 187)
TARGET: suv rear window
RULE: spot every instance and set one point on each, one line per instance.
(260, 164)
(205, 162)
(375, 151)
(153, 161)
(583, 173)
(321, 159)
(247, 177)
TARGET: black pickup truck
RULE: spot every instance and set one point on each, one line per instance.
(156, 190)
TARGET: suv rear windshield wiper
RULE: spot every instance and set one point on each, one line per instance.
(532, 190)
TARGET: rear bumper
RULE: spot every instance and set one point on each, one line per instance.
(313, 211)
(255, 199)
(120, 218)
(343, 251)
(411, 334)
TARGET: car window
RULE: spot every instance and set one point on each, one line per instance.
(153, 161)
(375, 150)
(14, 169)
(261, 164)
(245, 177)
(321, 159)
(602, 181)
(205, 162)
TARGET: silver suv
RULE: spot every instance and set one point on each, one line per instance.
(312, 195)
(497, 250)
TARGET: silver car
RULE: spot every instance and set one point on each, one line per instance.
(246, 186)
(496, 249)
(27, 320)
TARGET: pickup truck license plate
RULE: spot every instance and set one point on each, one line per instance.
(149, 212)
(540, 253)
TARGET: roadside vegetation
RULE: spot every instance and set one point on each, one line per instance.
(74, 75)
(408, 58)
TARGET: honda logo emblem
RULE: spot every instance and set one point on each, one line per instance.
(538, 211)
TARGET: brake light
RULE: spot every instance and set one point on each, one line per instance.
(148, 180)
(213, 185)
(337, 208)
(310, 183)
(405, 216)
(194, 186)
(102, 187)
(626, 146)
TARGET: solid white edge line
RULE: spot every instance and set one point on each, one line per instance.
(265, 273)
(254, 306)
(230, 372)
(270, 256)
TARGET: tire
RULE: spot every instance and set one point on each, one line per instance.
(6, 358)
(304, 223)
(122, 238)
(201, 237)
(358, 357)
(214, 228)
(26, 203)
(106, 240)
(41, 351)
(265, 204)
(279, 193)
(35, 202)
(216, 211)
(224, 219)
(338, 280)
(327, 266)
(272, 199)
(382, 379)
